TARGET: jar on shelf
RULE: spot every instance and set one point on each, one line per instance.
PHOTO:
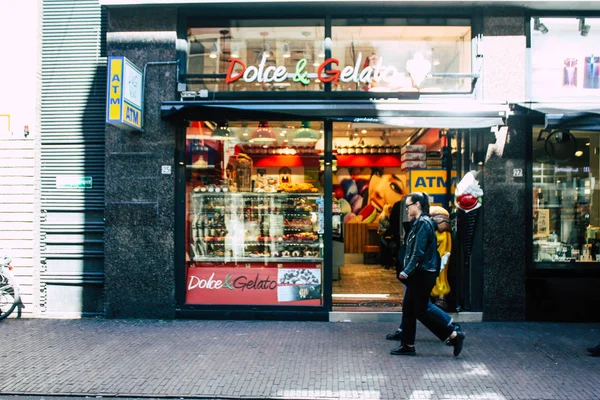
(351, 150)
(243, 169)
(342, 150)
(380, 149)
(397, 149)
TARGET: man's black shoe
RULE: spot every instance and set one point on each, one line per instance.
(404, 351)
(457, 328)
(594, 351)
(457, 342)
(395, 336)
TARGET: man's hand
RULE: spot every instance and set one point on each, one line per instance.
(402, 275)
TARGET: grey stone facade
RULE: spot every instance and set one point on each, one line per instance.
(140, 200)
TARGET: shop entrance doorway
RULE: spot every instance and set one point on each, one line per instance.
(377, 166)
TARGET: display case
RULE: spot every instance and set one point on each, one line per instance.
(255, 249)
(251, 227)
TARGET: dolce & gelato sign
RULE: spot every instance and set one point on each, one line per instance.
(253, 285)
(328, 71)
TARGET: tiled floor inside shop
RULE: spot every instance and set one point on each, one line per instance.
(367, 287)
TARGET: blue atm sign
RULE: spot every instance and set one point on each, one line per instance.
(124, 107)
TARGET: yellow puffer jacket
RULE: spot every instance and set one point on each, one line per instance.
(444, 245)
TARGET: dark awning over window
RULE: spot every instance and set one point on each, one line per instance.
(575, 116)
(401, 113)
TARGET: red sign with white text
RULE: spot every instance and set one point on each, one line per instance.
(254, 286)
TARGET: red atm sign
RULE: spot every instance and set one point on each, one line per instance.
(124, 94)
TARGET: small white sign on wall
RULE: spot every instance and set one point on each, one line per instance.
(166, 170)
(518, 172)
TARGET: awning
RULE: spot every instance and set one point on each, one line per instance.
(584, 116)
(452, 115)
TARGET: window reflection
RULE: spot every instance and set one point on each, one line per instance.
(566, 201)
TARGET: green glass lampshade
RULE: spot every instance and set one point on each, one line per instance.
(222, 130)
(305, 134)
(263, 134)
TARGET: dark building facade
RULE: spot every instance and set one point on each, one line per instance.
(267, 132)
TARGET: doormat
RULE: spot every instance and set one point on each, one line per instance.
(369, 304)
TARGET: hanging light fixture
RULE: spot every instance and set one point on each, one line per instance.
(235, 50)
(214, 51)
(322, 50)
(222, 129)
(285, 50)
(263, 134)
(283, 130)
(266, 49)
(305, 134)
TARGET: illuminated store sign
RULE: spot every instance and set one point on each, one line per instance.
(124, 107)
(326, 71)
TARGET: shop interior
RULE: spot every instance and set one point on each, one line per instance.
(566, 214)
(371, 171)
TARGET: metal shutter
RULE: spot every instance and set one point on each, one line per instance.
(72, 115)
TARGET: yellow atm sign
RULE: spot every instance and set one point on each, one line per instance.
(431, 181)
(124, 107)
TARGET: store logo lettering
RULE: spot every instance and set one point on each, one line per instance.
(265, 284)
(209, 283)
(433, 180)
(263, 74)
(241, 282)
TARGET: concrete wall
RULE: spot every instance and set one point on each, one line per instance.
(140, 205)
(19, 177)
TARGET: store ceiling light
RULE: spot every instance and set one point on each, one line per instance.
(285, 50)
(306, 134)
(263, 134)
(235, 50)
(539, 26)
(583, 28)
(222, 130)
(214, 51)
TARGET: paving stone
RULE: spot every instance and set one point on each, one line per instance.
(293, 360)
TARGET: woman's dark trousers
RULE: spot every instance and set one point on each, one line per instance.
(414, 307)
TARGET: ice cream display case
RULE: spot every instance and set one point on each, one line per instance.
(255, 248)
(246, 227)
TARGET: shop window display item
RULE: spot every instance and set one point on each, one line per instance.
(591, 75)
(570, 72)
(243, 172)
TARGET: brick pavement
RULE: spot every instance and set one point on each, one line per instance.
(293, 360)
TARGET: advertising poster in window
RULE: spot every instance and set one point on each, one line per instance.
(294, 285)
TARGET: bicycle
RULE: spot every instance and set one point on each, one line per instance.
(9, 290)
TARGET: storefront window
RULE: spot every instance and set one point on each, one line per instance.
(566, 200)
(403, 58)
(242, 57)
(391, 55)
(254, 213)
(565, 63)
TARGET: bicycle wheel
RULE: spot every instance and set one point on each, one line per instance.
(9, 296)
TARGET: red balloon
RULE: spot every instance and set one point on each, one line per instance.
(338, 192)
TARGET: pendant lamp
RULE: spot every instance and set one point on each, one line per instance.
(222, 129)
(305, 134)
(263, 134)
